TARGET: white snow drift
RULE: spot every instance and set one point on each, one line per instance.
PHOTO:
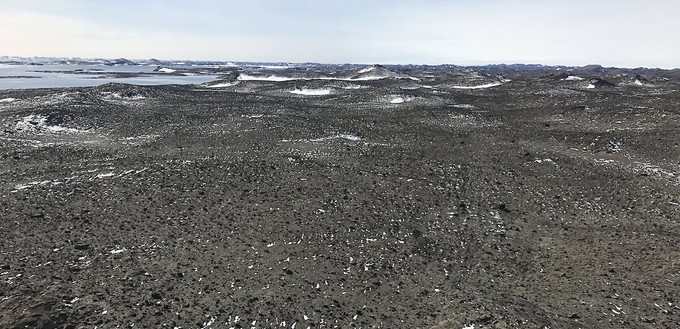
(311, 92)
(166, 70)
(401, 99)
(348, 137)
(367, 69)
(223, 85)
(484, 86)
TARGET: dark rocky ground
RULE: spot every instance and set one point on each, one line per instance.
(536, 203)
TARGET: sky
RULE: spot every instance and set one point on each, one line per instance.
(623, 33)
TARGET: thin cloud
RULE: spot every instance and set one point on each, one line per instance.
(618, 33)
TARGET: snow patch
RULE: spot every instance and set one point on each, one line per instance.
(573, 78)
(209, 323)
(223, 85)
(401, 99)
(111, 96)
(276, 67)
(341, 136)
(7, 100)
(348, 137)
(166, 70)
(136, 140)
(416, 87)
(111, 174)
(366, 78)
(275, 78)
(637, 82)
(464, 106)
(38, 123)
(349, 86)
(591, 86)
(547, 160)
(366, 70)
(311, 92)
(117, 251)
(33, 184)
(484, 86)
(69, 303)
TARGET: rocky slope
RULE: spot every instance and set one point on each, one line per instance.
(483, 199)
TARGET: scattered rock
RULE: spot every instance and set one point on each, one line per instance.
(37, 214)
(502, 207)
(81, 246)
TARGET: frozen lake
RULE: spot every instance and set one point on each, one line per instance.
(61, 76)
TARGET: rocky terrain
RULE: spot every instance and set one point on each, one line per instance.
(491, 197)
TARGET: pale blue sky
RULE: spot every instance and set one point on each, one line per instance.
(627, 33)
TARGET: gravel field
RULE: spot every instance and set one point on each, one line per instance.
(484, 197)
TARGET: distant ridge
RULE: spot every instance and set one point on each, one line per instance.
(395, 68)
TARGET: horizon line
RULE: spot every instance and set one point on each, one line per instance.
(488, 63)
